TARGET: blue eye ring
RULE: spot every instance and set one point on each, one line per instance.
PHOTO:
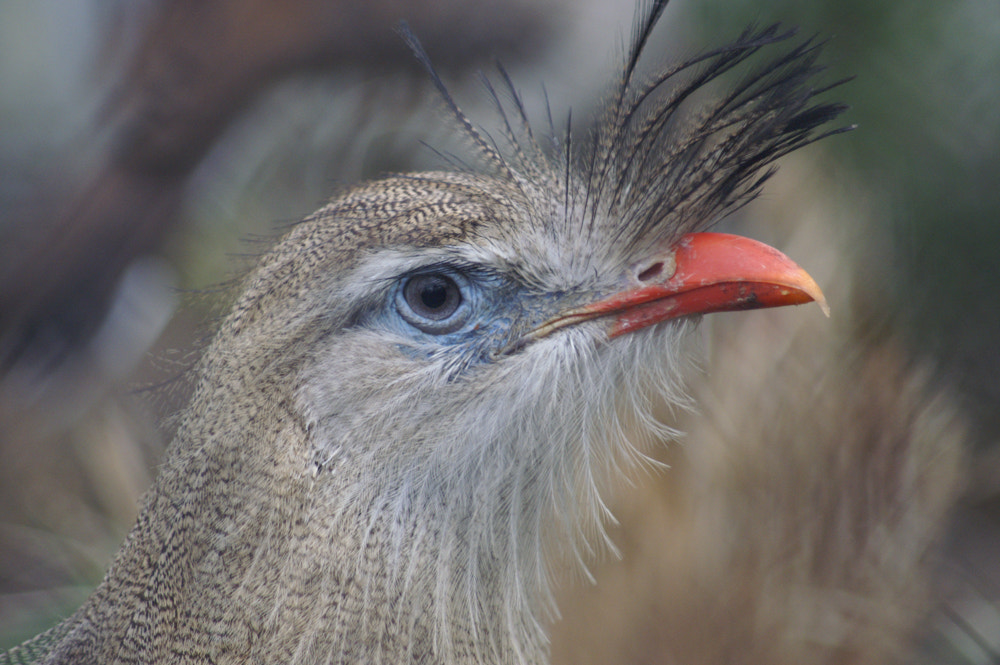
(435, 302)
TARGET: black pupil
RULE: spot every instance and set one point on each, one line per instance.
(434, 297)
(434, 294)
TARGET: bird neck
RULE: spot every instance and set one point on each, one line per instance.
(244, 551)
(275, 533)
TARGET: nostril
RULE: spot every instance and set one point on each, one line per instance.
(651, 272)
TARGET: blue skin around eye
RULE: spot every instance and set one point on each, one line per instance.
(495, 307)
(500, 311)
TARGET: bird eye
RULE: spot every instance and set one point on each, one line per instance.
(433, 303)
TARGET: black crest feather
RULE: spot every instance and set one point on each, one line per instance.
(676, 150)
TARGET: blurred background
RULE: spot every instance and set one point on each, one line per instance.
(149, 150)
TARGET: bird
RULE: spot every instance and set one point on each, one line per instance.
(411, 416)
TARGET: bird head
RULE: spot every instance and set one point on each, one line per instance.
(413, 408)
(467, 350)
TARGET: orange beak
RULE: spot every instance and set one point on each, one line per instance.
(711, 272)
